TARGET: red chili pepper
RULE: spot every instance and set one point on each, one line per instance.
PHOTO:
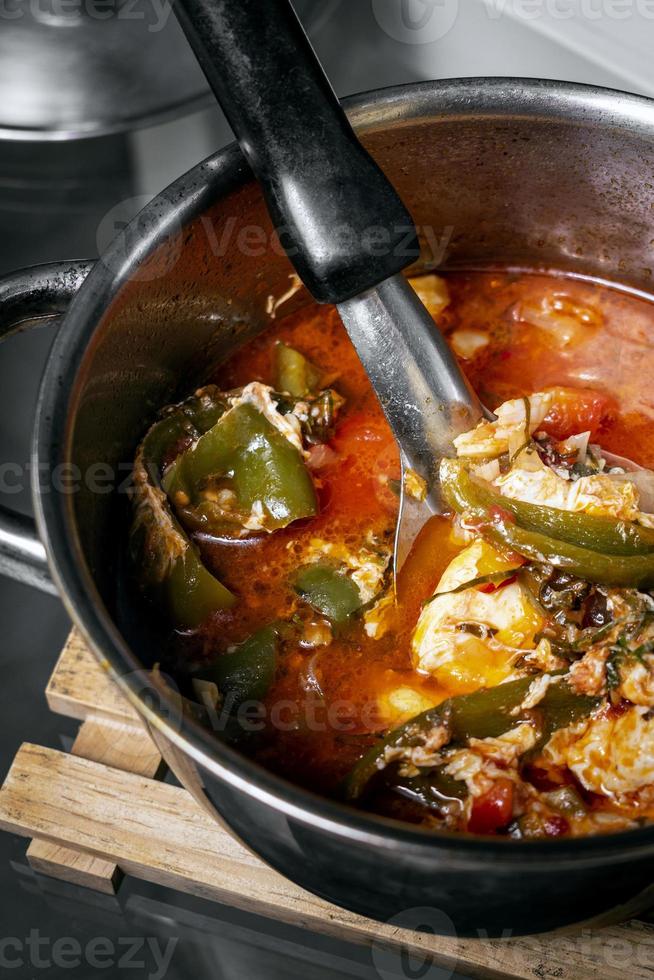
(492, 811)
(495, 586)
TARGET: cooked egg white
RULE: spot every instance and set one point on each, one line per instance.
(467, 343)
(566, 322)
(488, 759)
(506, 620)
(637, 681)
(609, 755)
(260, 397)
(380, 618)
(532, 481)
(508, 432)
(433, 292)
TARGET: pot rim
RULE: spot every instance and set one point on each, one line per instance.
(186, 198)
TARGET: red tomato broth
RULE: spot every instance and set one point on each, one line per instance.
(611, 356)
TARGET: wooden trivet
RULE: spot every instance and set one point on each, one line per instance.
(101, 811)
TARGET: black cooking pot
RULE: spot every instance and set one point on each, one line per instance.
(495, 172)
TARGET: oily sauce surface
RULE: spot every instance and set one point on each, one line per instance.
(325, 703)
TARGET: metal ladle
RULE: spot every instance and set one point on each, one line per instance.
(332, 207)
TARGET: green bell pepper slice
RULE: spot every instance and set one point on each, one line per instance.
(487, 713)
(500, 521)
(193, 593)
(329, 591)
(187, 420)
(605, 534)
(247, 672)
(259, 464)
(294, 374)
(167, 563)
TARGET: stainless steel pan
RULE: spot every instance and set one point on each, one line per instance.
(495, 172)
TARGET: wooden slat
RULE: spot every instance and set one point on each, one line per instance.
(80, 686)
(157, 832)
(74, 866)
(119, 745)
(114, 743)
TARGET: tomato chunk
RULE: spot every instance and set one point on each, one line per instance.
(577, 410)
(492, 811)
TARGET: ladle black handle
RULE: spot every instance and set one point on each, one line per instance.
(340, 220)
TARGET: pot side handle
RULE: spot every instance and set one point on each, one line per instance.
(32, 297)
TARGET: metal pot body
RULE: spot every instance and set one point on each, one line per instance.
(495, 172)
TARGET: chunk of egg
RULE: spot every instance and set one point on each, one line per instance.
(467, 343)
